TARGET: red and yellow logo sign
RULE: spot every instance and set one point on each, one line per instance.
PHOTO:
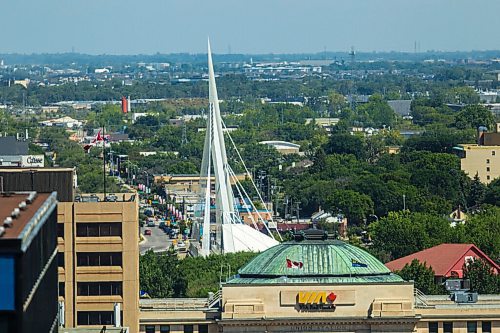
(316, 300)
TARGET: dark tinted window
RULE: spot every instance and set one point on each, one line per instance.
(99, 229)
(188, 329)
(486, 325)
(202, 328)
(60, 259)
(61, 289)
(60, 230)
(99, 288)
(471, 327)
(433, 327)
(99, 259)
(448, 327)
(150, 328)
(164, 329)
(95, 318)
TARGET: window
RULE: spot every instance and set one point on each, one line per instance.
(95, 318)
(202, 328)
(188, 329)
(60, 230)
(448, 327)
(98, 229)
(99, 259)
(471, 327)
(433, 327)
(60, 259)
(488, 177)
(164, 328)
(486, 325)
(488, 161)
(492, 153)
(150, 328)
(99, 288)
(61, 289)
(487, 169)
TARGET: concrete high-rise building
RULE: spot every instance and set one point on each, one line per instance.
(99, 262)
(28, 262)
(98, 244)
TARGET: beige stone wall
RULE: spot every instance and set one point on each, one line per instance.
(352, 301)
(478, 159)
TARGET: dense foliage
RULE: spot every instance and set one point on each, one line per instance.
(164, 275)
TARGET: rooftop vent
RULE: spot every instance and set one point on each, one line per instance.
(22, 205)
(2, 231)
(7, 222)
(311, 234)
(15, 213)
(31, 197)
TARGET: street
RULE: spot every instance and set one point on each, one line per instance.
(158, 241)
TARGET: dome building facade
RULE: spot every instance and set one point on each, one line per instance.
(316, 284)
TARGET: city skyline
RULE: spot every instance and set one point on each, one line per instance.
(146, 27)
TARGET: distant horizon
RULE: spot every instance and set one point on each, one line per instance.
(130, 27)
(250, 54)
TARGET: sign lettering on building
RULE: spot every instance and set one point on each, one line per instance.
(316, 300)
(32, 161)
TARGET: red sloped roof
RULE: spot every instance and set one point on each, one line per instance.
(441, 258)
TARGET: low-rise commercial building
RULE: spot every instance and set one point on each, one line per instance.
(315, 284)
(482, 158)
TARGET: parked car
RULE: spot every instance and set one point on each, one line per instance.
(147, 232)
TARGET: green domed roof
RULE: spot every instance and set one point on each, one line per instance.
(315, 260)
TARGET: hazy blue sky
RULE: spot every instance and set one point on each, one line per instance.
(251, 26)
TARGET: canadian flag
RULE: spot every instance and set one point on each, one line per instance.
(294, 264)
(98, 138)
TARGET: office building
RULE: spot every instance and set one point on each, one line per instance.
(99, 262)
(28, 262)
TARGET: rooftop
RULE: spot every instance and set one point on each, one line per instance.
(314, 259)
(10, 146)
(442, 258)
(20, 212)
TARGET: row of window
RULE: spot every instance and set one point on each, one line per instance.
(84, 318)
(93, 229)
(166, 329)
(93, 259)
(98, 229)
(99, 259)
(99, 288)
(471, 327)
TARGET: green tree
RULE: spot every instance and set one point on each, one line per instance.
(160, 275)
(492, 195)
(474, 116)
(398, 235)
(377, 112)
(354, 205)
(482, 278)
(344, 143)
(477, 192)
(423, 277)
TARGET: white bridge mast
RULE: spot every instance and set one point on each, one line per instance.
(232, 235)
